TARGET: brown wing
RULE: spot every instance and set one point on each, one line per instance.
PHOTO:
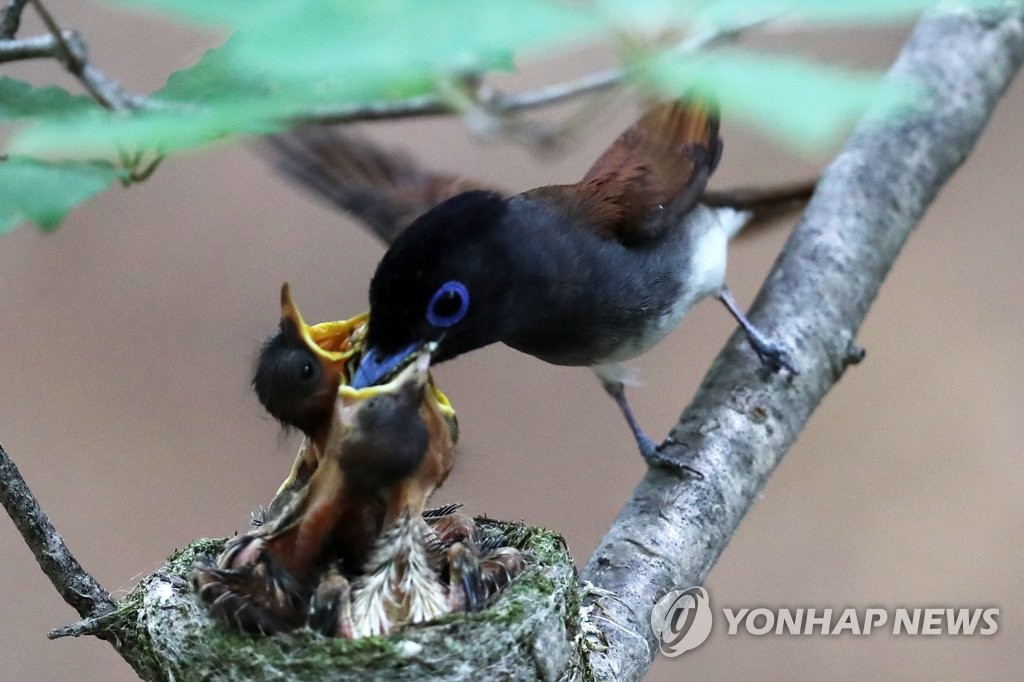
(383, 189)
(663, 160)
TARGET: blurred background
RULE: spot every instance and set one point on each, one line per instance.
(129, 336)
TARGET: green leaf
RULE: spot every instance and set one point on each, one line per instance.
(714, 13)
(19, 99)
(375, 38)
(198, 105)
(159, 131)
(217, 79)
(290, 58)
(663, 16)
(214, 78)
(45, 192)
(808, 105)
(373, 41)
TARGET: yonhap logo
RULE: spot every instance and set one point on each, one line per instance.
(682, 620)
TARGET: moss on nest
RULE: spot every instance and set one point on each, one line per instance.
(528, 633)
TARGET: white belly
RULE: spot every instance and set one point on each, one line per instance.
(703, 270)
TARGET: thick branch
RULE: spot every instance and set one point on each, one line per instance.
(75, 585)
(741, 421)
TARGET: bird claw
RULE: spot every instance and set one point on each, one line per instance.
(655, 457)
(774, 355)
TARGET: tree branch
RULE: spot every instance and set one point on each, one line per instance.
(10, 17)
(741, 421)
(69, 50)
(33, 47)
(73, 583)
(67, 47)
(498, 103)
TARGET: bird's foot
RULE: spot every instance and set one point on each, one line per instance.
(772, 354)
(330, 608)
(477, 576)
(653, 454)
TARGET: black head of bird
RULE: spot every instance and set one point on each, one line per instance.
(300, 367)
(422, 286)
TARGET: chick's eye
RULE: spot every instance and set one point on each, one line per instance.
(306, 371)
(448, 305)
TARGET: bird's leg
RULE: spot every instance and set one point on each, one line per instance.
(477, 575)
(330, 608)
(773, 354)
(651, 451)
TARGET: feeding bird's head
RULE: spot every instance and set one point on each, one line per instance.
(440, 282)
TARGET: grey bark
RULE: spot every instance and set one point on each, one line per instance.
(742, 421)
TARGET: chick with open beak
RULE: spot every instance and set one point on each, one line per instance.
(352, 507)
(304, 370)
(297, 377)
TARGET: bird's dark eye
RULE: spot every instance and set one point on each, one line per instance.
(448, 305)
(307, 370)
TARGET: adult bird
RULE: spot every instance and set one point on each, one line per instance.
(588, 274)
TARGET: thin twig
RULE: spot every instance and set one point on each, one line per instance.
(73, 583)
(33, 47)
(497, 102)
(10, 17)
(742, 421)
(69, 49)
(86, 627)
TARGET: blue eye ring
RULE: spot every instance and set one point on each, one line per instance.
(445, 296)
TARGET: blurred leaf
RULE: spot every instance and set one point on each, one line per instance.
(159, 131)
(808, 105)
(208, 101)
(45, 192)
(714, 13)
(372, 41)
(216, 78)
(19, 99)
(346, 38)
(211, 78)
(663, 18)
(291, 57)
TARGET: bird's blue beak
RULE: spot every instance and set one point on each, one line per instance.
(373, 367)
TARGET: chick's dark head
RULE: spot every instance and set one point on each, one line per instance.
(386, 438)
(440, 282)
(296, 380)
